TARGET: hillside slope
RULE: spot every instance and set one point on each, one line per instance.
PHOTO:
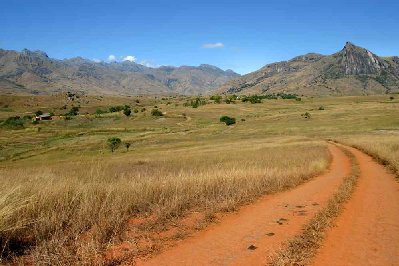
(351, 71)
(34, 72)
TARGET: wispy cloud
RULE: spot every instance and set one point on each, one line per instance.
(96, 60)
(213, 45)
(129, 58)
(148, 63)
(111, 58)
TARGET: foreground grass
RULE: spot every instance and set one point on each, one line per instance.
(301, 249)
(71, 212)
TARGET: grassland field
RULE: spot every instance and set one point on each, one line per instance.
(60, 182)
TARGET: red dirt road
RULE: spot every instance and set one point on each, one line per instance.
(258, 230)
(367, 232)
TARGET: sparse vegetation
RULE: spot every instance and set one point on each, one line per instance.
(14, 122)
(156, 112)
(114, 143)
(74, 207)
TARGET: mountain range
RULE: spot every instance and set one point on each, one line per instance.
(34, 72)
(351, 71)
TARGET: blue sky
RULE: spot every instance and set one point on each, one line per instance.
(240, 35)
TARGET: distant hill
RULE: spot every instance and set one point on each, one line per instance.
(351, 71)
(34, 72)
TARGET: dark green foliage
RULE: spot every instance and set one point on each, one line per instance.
(283, 95)
(126, 110)
(230, 99)
(259, 98)
(39, 112)
(135, 110)
(216, 98)
(227, 120)
(252, 99)
(321, 108)
(156, 112)
(114, 143)
(114, 109)
(14, 122)
(74, 111)
(196, 102)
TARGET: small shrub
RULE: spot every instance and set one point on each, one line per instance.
(196, 102)
(216, 98)
(74, 111)
(321, 108)
(143, 109)
(227, 120)
(391, 98)
(126, 110)
(306, 115)
(136, 110)
(114, 143)
(156, 112)
(14, 122)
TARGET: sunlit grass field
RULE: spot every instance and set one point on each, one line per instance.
(60, 181)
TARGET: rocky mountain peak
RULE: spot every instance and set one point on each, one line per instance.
(357, 60)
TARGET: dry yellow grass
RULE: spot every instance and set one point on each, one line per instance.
(72, 211)
(383, 146)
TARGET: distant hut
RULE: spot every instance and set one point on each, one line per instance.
(42, 117)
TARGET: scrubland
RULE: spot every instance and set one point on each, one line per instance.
(65, 198)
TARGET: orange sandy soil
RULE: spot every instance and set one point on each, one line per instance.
(247, 237)
(367, 232)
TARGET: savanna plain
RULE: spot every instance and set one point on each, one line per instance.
(99, 187)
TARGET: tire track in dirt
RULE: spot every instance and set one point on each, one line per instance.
(367, 231)
(258, 230)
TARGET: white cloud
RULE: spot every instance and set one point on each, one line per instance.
(129, 58)
(213, 45)
(96, 60)
(147, 64)
(111, 58)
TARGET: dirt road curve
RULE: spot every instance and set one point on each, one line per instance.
(257, 230)
(367, 232)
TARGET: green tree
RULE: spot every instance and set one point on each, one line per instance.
(126, 110)
(113, 143)
(227, 120)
